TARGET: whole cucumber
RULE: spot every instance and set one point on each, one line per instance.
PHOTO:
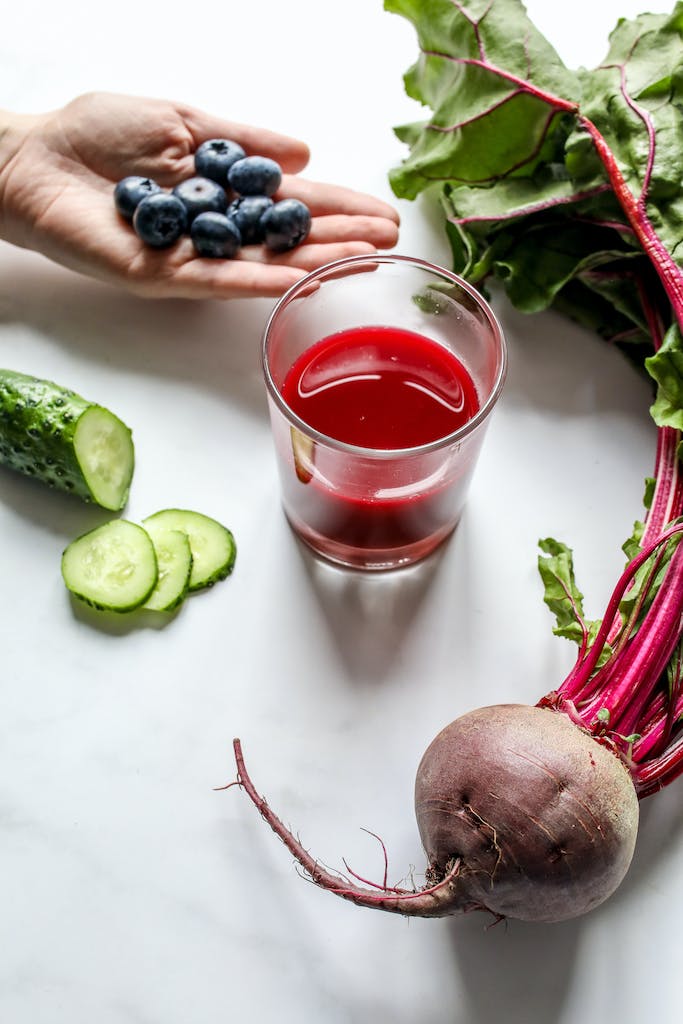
(52, 434)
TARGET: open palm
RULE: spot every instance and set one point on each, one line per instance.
(56, 196)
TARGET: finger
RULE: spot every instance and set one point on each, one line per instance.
(223, 279)
(322, 199)
(309, 257)
(379, 231)
(291, 154)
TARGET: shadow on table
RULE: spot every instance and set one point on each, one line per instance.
(660, 834)
(559, 366)
(211, 344)
(521, 972)
(370, 614)
(217, 344)
(514, 971)
(121, 623)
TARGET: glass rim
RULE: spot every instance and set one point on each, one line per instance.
(385, 453)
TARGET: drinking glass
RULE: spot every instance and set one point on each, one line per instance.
(379, 508)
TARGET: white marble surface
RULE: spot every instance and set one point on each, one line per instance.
(131, 892)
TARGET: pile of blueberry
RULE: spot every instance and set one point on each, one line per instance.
(226, 205)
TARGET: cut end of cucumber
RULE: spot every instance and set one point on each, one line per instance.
(103, 445)
(212, 544)
(113, 567)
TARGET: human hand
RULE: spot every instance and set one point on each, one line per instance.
(58, 171)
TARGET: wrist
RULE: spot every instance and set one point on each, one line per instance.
(14, 130)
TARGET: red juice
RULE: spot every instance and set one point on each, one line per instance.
(385, 389)
(380, 387)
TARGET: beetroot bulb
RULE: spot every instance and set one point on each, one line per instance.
(541, 818)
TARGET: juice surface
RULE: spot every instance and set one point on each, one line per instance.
(380, 387)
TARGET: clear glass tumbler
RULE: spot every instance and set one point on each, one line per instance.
(379, 508)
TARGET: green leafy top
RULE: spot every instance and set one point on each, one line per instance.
(562, 595)
(484, 124)
(525, 194)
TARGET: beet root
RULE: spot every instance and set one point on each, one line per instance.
(521, 813)
(541, 816)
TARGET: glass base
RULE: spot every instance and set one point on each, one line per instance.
(368, 559)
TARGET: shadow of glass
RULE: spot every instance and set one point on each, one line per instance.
(369, 614)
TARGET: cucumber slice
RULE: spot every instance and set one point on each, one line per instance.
(212, 544)
(174, 562)
(303, 450)
(113, 567)
(52, 434)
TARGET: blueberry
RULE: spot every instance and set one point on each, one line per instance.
(132, 190)
(201, 195)
(285, 225)
(215, 157)
(160, 219)
(246, 212)
(255, 176)
(214, 235)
